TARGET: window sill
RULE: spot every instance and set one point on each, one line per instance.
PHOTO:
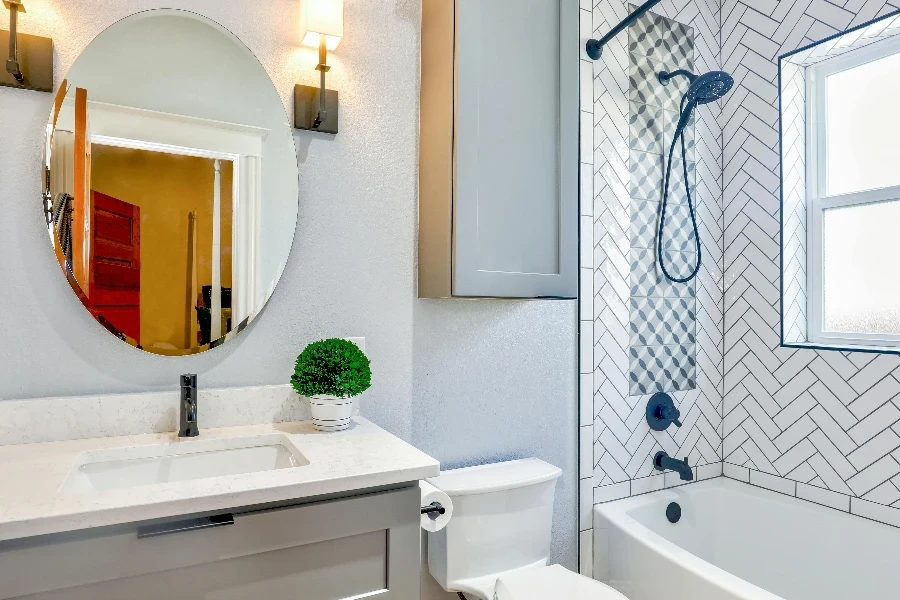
(842, 347)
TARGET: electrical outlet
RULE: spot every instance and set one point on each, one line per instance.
(359, 341)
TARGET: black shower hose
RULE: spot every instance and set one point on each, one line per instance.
(687, 184)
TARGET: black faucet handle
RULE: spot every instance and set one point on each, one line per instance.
(670, 413)
(661, 412)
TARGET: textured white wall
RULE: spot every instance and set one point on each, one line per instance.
(493, 379)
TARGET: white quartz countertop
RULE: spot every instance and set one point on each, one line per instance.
(31, 477)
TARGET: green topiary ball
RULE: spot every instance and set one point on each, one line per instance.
(333, 367)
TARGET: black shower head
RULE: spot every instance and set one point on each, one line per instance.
(704, 88)
(709, 87)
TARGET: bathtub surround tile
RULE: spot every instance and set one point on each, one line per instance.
(645, 278)
(773, 482)
(679, 264)
(662, 368)
(709, 471)
(646, 172)
(608, 493)
(877, 512)
(851, 398)
(678, 230)
(646, 128)
(824, 497)
(736, 472)
(588, 175)
(763, 390)
(677, 179)
(624, 443)
(645, 88)
(644, 223)
(651, 322)
(645, 485)
(655, 37)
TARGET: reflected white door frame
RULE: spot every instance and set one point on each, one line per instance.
(215, 330)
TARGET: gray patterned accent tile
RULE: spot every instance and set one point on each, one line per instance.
(645, 277)
(662, 369)
(677, 189)
(646, 176)
(690, 138)
(646, 128)
(664, 40)
(644, 223)
(681, 290)
(661, 321)
(679, 264)
(683, 324)
(644, 86)
(678, 230)
(650, 322)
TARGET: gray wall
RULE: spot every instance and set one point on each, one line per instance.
(493, 379)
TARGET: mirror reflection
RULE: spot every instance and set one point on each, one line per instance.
(170, 189)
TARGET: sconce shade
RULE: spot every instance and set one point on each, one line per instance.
(322, 17)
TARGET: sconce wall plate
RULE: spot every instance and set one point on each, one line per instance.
(306, 107)
(35, 62)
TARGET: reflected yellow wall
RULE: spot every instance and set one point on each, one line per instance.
(167, 188)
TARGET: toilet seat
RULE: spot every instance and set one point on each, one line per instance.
(551, 582)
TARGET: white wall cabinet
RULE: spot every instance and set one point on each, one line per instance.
(331, 550)
(498, 172)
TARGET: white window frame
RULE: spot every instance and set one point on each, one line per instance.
(818, 200)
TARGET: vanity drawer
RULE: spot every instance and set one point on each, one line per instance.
(365, 545)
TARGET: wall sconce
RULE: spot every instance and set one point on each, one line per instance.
(30, 62)
(321, 26)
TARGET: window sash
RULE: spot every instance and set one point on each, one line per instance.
(818, 201)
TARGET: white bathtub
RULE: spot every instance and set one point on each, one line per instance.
(735, 541)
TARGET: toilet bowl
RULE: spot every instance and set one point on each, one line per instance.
(497, 545)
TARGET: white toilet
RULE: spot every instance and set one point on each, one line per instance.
(497, 543)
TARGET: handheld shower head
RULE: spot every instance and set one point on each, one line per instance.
(705, 88)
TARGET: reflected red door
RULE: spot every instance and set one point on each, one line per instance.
(115, 276)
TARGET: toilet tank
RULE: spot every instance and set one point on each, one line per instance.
(502, 517)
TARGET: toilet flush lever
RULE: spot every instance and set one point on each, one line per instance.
(661, 412)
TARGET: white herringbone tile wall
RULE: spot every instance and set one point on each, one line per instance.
(826, 423)
(623, 443)
(585, 295)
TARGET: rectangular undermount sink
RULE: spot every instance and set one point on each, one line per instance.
(182, 460)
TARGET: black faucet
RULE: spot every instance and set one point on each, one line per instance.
(187, 423)
(663, 462)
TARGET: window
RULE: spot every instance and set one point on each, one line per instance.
(853, 197)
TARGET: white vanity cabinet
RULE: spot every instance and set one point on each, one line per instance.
(363, 545)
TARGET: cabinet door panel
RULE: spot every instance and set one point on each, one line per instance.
(516, 197)
(328, 550)
(331, 570)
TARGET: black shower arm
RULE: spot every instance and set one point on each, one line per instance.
(594, 48)
(665, 76)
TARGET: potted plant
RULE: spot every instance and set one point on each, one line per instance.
(331, 373)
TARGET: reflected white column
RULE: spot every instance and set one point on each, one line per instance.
(215, 331)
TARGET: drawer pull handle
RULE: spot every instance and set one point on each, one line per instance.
(149, 531)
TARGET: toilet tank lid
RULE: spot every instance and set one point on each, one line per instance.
(552, 582)
(495, 477)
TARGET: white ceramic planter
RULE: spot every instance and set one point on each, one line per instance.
(330, 413)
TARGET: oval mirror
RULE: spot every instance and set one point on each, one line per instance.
(170, 182)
